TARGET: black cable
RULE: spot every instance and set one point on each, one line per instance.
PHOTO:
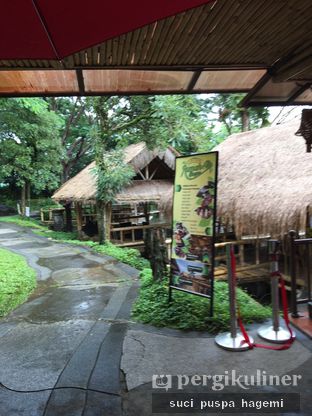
(57, 388)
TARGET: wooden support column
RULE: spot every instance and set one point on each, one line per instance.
(68, 213)
(146, 213)
(78, 208)
(242, 254)
(257, 251)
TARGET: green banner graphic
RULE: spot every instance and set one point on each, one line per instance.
(194, 213)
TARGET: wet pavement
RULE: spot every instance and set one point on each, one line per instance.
(69, 334)
(76, 352)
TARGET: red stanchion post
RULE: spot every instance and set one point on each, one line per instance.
(233, 340)
(274, 332)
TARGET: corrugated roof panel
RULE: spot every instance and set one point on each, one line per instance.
(39, 81)
(135, 80)
(228, 80)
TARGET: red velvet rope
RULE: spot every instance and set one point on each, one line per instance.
(251, 345)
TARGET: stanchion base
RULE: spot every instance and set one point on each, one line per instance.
(238, 343)
(280, 337)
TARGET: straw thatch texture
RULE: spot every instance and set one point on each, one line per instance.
(265, 181)
(144, 191)
(82, 187)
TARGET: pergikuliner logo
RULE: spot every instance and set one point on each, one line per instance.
(218, 382)
(162, 381)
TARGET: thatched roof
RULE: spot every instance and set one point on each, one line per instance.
(152, 190)
(82, 187)
(265, 181)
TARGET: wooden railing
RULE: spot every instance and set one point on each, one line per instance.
(121, 231)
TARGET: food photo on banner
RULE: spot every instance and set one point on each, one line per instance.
(194, 217)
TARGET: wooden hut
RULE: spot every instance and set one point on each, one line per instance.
(147, 199)
(264, 191)
(265, 181)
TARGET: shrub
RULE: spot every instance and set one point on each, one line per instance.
(191, 312)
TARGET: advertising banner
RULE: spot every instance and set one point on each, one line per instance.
(194, 215)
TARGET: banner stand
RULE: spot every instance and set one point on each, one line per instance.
(274, 333)
(233, 340)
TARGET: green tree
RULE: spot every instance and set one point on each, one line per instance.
(226, 116)
(30, 145)
(112, 174)
(180, 121)
(118, 121)
(76, 133)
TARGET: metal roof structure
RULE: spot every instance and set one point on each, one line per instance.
(260, 47)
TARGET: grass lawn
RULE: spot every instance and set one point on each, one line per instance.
(191, 312)
(17, 281)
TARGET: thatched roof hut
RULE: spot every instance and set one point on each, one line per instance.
(265, 181)
(153, 181)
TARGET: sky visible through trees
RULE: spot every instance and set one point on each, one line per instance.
(45, 141)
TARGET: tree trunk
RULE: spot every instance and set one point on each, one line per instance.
(108, 220)
(23, 200)
(100, 209)
(103, 216)
(245, 120)
(156, 252)
(65, 172)
(27, 197)
(69, 219)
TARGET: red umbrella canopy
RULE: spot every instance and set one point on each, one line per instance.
(45, 29)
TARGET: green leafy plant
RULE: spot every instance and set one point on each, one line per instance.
(17, 281)
(191, 312)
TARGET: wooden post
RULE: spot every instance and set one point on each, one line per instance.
(242, 254)
(257, 251)
(69, 220)
(146, 213)
(79, 218)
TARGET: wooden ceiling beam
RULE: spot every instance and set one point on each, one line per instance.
(80, 81)
(297, 94)
(193, 81)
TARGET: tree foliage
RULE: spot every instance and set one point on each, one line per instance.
(179, 121)
(29, 142)
(44, 140)
(225, 116)
(112, 174)
(75, 133)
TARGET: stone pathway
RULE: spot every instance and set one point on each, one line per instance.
(75, 335)
(69, 334)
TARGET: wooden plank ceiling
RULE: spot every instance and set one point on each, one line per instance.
(261, 47)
